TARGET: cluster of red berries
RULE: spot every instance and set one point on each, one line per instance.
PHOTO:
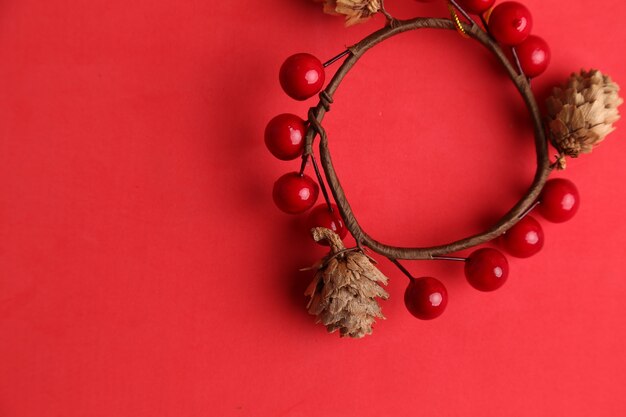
(302, 76)
(487, 269)
(510, 23)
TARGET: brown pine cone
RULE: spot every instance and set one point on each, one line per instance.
(344, 290)
(582, 112)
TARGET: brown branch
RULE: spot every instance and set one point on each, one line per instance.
(317, 113)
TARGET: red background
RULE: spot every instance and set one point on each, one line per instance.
(144, 270)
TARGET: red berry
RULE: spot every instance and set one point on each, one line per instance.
(524, 239)
(486, 269)
(294, 193)
(534, 55)
(426, 298)
(476, 6)
(321, 216)
(510, 23)
(301, 76)
(284, 136)
(559, 200)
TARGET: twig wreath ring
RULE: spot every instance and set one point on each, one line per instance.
(317, 114)
(343, 294)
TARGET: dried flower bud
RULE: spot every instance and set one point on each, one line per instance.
(344, 290)
(582, 113)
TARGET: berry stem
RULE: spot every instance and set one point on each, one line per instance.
(518, 64)
(485, 24)
(308, 149)
(320, 179)
(402, 268)
(528, 210)
(305, 159)
(335, 58)
(449, 258)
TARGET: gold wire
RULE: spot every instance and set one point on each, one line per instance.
(457, 21)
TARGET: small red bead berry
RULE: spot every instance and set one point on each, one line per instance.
(426, 298)
(486, 269)
(284, 136)
(525, 238)
(301, 76)
(476, 6)
(321, 216)
(559, 200)
(510, 23)
(294, 193)
(534, 55)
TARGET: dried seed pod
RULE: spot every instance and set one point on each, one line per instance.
(356, 11)
(344, 290)
(582, 113)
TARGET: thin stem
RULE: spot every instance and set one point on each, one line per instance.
(305, 159)
(449, 258)
(525, 213)
(402, 268)
(336, 58)
(518, 63)
(384, 11)
(485, 24)
(320, 180)
(307, 151)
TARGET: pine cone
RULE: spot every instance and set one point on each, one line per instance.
(582, 113)
(356, 11)
(344, 290)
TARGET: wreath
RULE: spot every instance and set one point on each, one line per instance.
(346, 286)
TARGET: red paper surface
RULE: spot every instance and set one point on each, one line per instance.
(144, 270)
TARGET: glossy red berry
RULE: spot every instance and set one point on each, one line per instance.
(510, 23)
(534, 55)
(486, 269)
(426, 298)
(559, 200)
(284, 136)
(321, 216)
(476, 6)
(301, 76)
(294, 193)
(524, 239)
